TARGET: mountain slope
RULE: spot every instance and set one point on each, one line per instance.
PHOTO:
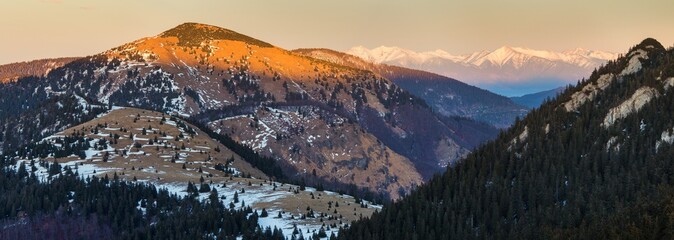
(209, 74)
(148, 145)
(580, 166)
(534, 100)
(503, 70)
(166, 152)
(14, 71)
(445, 95)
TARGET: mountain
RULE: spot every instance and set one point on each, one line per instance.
(593, 163)
(14, 71)
(446, 96)
(142, 146)
(534, 100)
(506, 70)
(324, 123)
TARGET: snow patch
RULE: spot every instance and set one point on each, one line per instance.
(666, 137)
(611, 144)
(523, 136)
(669, 83)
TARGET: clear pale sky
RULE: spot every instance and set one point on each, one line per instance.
(34, 29)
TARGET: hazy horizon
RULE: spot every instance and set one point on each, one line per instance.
(62, 28)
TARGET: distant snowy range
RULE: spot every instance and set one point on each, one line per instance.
(509, 71)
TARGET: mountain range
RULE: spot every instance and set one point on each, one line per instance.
(447, 96)
(201, 132)
(510, 71)
(322, 122)
(535, 100)
(594, 163)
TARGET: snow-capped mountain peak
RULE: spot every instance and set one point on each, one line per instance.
(505, 65)
(441, 53)
(500, 57)
(385, 54)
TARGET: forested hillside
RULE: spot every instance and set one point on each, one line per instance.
(128, 172)
(594, 163)
(14, 71)
(68, 207)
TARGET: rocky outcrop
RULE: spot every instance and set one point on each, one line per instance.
(634, 65)
(669, 83)
(640, 98)
(588, 93)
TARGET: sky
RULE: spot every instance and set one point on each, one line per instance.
(33, 29)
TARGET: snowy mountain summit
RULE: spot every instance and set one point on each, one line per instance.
(503, 70)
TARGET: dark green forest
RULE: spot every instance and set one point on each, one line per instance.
(68, 207)
(559, 183)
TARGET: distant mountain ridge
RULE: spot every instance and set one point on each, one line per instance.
(534, 100)
(445, 95)
(14, 71)
(499, 70)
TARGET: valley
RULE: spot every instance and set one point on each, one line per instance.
(593, 163)
(172, 129)
(208, 73)
(143, 146)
